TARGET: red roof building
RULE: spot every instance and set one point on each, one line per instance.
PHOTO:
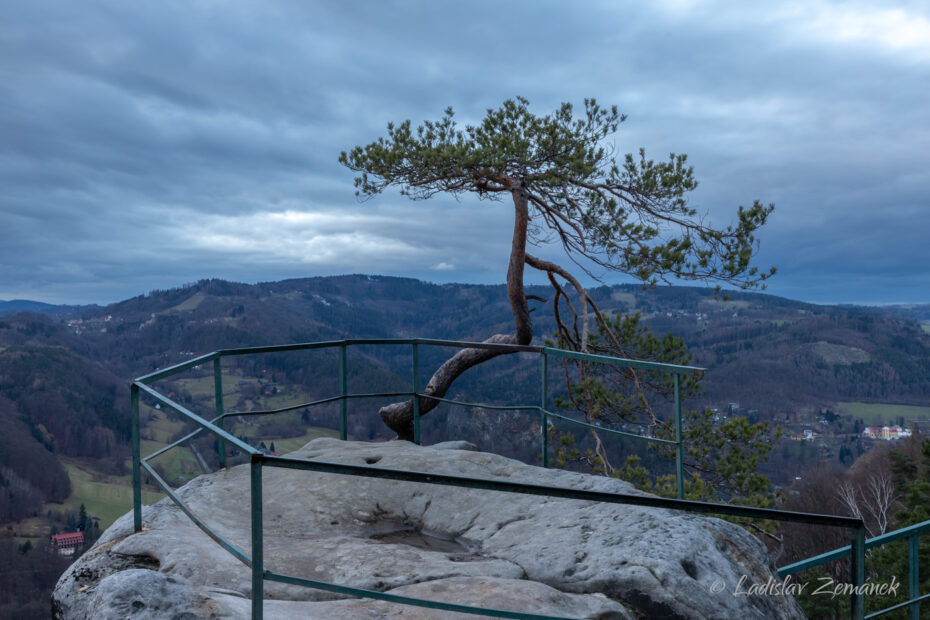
(67, 543)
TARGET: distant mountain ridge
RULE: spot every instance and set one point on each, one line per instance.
(65, 370)
(14, 306)
(771, 355)
(917, 311)
(768, 353)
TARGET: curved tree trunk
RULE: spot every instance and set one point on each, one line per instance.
(399, 416)
(515, 292)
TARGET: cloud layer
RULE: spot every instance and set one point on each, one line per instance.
(143, 145)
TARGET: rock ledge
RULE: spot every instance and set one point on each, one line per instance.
(523, 553)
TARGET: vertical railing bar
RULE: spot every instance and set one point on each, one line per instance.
(218, 400)
(679, 452)
(416, 391)
(258, 568)
(136, 458)
(343, 416)
(913, 575)
(857, 570)
(257, 461)
(543, 418)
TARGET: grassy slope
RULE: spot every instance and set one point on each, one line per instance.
(106, 497)
(881, 413)
(156, 434)
(283, 446)
(109, 497)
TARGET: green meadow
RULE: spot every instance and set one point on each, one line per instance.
(105, 497)
(883, 413)
(289, 444)
(109, 497)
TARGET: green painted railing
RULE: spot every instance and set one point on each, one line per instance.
(910, 534)
(545, 415)
(258, 460)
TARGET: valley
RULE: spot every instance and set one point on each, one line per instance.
(820, 373)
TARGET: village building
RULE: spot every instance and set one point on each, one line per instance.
(67, 543)
(886, 433)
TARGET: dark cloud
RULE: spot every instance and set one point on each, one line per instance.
(143, 145)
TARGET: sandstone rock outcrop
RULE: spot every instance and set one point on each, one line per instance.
(518, 552)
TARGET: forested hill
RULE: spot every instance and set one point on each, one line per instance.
(64, 372)
(65, 375)
(24, 305)
(764, 352)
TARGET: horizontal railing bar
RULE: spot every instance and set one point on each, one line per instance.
(322, 401)
(403, 600)
(578, 494)
(490, 346)
(548, 413)
(178, 442)
(905, 532)
(173, 445)
(817, 560)
(197, 419)
(609, 430)
(280, 348)
(376, 395)
(481, 405)
(882, 612)
(842, 552)
(626, 363)
(589, 357)
(451, 402)
(376, 341)
(173, 370)
(233, 549)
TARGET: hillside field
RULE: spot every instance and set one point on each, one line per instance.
(106, 497)
(883, 413)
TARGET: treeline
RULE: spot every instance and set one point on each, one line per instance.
(760, 349)
(27, 576)
(30, 570)
(889, 488)
(775, 366)
(74, 406)
(30, 474)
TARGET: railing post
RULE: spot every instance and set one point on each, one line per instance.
(343, 416)
(258, 567)
(679, 453)
(543, 418)
(218, 400)
(913, 575)
(857, 573)
(416, 391)
(136, 459)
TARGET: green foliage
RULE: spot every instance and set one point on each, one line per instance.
(822, 605)
(509, 143)
(607, 393)
(721, 457)
(911, 475)
(630, 216)
(912, 479)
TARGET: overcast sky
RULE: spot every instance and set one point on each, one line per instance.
(145, 145)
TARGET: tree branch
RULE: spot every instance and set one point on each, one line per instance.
(399, 416)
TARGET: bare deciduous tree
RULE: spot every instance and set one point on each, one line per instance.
(871, 501)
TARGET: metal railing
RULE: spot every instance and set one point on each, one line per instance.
(258, 460)
(910, 534)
